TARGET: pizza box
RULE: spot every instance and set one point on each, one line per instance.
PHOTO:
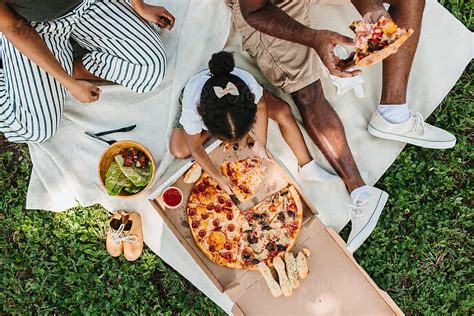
(336, 284)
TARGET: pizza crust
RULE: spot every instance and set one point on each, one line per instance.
(385, 52)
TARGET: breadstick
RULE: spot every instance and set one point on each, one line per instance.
(282, 277)
(267, 275)
(302, 265)
(291, 269)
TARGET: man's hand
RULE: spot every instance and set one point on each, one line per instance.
(375, 15)
(154, 14)
(84, 91)
(324, 43)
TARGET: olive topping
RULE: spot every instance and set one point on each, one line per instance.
(281, 217)
(281, 247)
(246, 256)
(291, 214)
(256, 261)
(253, 239)
(266, 226)
(270, 247)
(257, 216)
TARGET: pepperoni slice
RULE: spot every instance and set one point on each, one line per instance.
(230, 216)
(228, 246)
(212, 248)
(231, 227)
(209, 206)
(201, 188)
(202, 233)
(204, 216)
(217, 208)
(227, 255)
(215, 222)
(221, 200)
(217, 228)
(228, 204)
(218, 187)
(192, 212)
(195, 224)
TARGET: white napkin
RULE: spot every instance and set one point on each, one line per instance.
(346, 84)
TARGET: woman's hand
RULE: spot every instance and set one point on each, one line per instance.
(154, 14)
(324, 44)
(260, 150)
(83, 91)
(225, 184)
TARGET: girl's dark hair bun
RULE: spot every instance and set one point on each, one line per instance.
(221, 63)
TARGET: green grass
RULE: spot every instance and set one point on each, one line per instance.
(420, 253)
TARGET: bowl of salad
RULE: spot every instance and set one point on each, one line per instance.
(126, 169)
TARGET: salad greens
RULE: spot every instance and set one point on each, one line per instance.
(131, 179)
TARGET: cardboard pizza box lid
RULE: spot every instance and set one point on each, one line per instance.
(336, 285)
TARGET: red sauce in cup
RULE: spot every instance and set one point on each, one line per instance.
(172, 197)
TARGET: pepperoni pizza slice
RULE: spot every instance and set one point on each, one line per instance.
(246, 175)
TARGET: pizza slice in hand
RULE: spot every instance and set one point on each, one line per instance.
(375, 42)
(246, 175)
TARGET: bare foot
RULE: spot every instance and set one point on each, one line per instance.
(81, 73)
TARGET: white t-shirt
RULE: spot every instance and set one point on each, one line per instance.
(190, 119)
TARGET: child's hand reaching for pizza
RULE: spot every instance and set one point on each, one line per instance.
(225, 185)
(260, 150)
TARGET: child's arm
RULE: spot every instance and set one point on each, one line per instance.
(261, 128)
(199, 154)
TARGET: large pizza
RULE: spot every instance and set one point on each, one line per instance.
(241, 239)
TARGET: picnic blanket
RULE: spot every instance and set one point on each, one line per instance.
(65, 168)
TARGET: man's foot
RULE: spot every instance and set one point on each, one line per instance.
(364, 211)
(413, 131)
(312, 172)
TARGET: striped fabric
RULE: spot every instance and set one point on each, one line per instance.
(124, 49)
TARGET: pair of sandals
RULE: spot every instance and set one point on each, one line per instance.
(125, 235)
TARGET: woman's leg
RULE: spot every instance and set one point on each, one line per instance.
(32, 101)
(178, 146)
(280, 111)
(125, 49)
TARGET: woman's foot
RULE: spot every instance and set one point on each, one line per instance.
(133, 241)
(113, 242)
(312, 172)
(81, 73)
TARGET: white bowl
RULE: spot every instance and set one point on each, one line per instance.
(168, 206)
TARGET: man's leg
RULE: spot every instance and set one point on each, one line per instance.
(393, 119)
(125, 49)
(396, 68)
(326, 130)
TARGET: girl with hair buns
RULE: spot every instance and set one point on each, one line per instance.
(227, 102)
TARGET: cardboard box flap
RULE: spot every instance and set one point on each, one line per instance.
(336, 285)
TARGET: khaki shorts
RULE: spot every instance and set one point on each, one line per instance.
(285, 64)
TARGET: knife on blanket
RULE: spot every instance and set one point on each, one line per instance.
(110, 142)
(118, 130)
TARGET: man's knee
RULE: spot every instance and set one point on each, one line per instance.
(309, 98)
(412, 5)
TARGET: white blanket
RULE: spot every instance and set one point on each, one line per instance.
(65, 168)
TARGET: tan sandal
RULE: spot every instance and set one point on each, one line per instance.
(133, 238)
(113, 243)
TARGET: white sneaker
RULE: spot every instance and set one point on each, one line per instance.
(364, 216)
(414, 131)
(313, 172)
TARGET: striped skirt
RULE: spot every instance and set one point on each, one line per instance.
(124, 49)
